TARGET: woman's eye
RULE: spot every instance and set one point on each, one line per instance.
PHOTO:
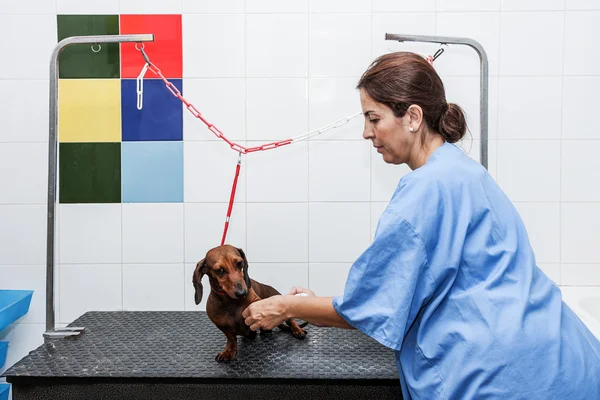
(374, 121)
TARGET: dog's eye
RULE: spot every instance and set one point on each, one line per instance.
(220, 271)
(240, 264)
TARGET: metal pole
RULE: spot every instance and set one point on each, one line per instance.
(483, 84)
(51, 330)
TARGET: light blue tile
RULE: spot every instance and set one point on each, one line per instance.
(152, 172)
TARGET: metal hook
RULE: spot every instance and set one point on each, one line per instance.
(141, 49)
(99, 48)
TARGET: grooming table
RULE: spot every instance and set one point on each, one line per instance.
(170, 355)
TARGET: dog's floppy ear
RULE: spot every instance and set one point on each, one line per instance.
(197, 280)
(245, 269)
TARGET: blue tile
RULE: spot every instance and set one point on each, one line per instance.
(152, 172)
(161, 116)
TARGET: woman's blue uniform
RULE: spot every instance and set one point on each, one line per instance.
(450, 283)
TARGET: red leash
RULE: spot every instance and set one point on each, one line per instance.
(231, 198)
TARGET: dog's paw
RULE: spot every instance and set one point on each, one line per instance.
(301, 334)
(225, 356)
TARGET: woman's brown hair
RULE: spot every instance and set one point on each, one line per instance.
(401, 79)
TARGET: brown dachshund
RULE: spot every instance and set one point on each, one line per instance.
(232, 291)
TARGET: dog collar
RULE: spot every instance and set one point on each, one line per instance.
(216, 291)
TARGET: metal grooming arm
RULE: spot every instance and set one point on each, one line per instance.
(483, 98)
(51, 331)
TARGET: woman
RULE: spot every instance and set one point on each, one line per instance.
(450, 281)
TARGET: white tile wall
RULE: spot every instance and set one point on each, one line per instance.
(266, 70)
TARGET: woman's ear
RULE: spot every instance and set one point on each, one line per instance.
(415, 117)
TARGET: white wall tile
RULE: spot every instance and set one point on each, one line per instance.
(150, 6)
(581, 31)
(384, 177)
(204, 225)
(23, 173)
(580, 163)
(214, 7)
(27, 277)
(468, 5)
(31, 53)
(377, 209)
(23, 234)
(277, 45)
(580, 224)
(527, 51)
(340, 44)
(580, 274)
(542, 221)
(532, 5)
(339, 171)
(330, 100)
(29, 7)
(462, 60)
(338, 232)
(328, 279)
(281, 276)
(527, 169)
(28, 120)
(274, 6)
(213, 45)
(222, 102)
(89, 287)
(86, 7)
(583, 5)
(340, 6)
(209, 170)
(277, 232)
(403, 5)
(152, 233)
(580, 103)
(268, 117)
(278, 175)
(90, 233)
(153, 287)
(552, 271)
(529, 107)
(408, 23)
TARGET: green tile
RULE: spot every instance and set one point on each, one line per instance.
(78, 60)
(90, 172)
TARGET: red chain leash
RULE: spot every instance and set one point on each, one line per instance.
(240, 149)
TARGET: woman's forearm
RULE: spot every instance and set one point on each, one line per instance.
(315, 310)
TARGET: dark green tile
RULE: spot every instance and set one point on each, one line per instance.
(78, 60)
(90, 172)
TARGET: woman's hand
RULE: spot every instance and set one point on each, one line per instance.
(266, 314)
(299, 290)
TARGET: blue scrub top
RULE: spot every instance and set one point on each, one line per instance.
(450, 282)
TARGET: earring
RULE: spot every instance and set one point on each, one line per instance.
(411, 129)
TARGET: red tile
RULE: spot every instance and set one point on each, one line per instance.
(165, 52)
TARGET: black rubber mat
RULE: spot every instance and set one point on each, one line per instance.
(184, 345)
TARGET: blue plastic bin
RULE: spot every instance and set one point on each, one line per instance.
(13, 305)
(4, 391)
(3, 351)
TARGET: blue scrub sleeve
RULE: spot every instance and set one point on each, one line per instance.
(388, 284)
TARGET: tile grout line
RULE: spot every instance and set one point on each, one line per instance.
(560, 156)
(308, 81)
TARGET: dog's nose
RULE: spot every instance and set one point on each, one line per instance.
(241, 293)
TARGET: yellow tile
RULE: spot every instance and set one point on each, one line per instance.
(89, 110)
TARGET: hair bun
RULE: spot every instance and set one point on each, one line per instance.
(453, 123)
